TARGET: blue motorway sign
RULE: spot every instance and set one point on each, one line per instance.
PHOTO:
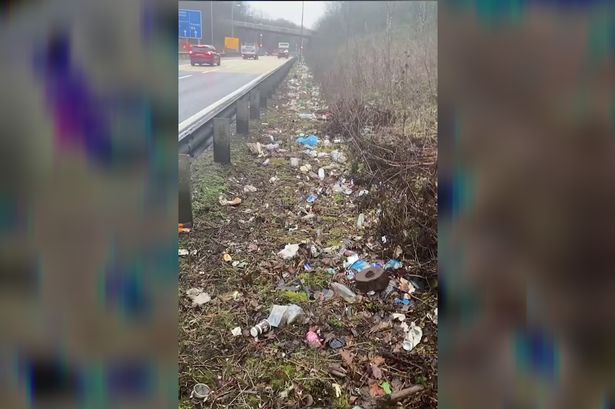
(190, 24)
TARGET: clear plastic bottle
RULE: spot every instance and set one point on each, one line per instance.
(344, 292)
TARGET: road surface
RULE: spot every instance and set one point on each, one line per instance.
(201, 86)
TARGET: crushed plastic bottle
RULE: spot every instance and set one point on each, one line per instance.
(360, 220)
(359, 265)
(393, 264)
(284, 314)
(344, 292)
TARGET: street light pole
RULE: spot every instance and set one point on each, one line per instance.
(232, 19)
(301, 50)
(211, 20)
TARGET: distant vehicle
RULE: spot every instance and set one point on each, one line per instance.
(204, 54)
(283, 50)
(249, 51)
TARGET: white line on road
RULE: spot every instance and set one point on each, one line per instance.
(185, 76)
(205, 72)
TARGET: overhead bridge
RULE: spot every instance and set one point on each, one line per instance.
(273, 29)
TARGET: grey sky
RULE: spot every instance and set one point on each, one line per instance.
(291, 10)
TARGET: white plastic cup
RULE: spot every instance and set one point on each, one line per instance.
(200, 391)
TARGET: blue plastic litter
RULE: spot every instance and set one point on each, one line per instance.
(377, 265)
(394, 264)
(401, 301)
(359, 265)
(311, 199)
(350, 275)
(310, 141)
(307, 267)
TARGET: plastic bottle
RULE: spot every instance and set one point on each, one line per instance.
(344, 292)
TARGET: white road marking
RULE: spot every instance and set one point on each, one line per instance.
(205, 72)
(185, 76)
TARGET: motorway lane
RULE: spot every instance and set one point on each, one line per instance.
(201, 86)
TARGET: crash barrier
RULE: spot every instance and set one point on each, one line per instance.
(212, 126)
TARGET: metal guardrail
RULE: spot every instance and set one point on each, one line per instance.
(197, 131)
(212, 125)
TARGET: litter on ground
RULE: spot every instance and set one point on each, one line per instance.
(310, 302)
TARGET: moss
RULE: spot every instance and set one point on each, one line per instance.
(295, 297)
(225, 319)
(266, 293)
(253, 401)
(339, 198)
(315, 280)
(276, 373)
(283, 375)
(335, 323)
(333, 243)
(279, 162)
(184, 404)
(329, 219)
(200, 375)
(336, 234)
(342, 402)
(421, 380)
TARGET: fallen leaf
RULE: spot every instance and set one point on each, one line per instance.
(377, 360)
(406, 286)
(387, 388)
(380, 326)
(225, 202)
(398, 317)
(227, 257)
(376, 372)
(347, 357)
(375, 391)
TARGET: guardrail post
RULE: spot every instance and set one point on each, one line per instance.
(264, 88)
(222, 141)
(242, 116)
(254, 104)
(184, 190)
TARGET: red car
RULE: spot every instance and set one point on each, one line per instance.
(204, 54)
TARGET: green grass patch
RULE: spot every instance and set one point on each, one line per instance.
(208, 183)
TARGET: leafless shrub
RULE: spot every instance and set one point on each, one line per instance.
(379, 76)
